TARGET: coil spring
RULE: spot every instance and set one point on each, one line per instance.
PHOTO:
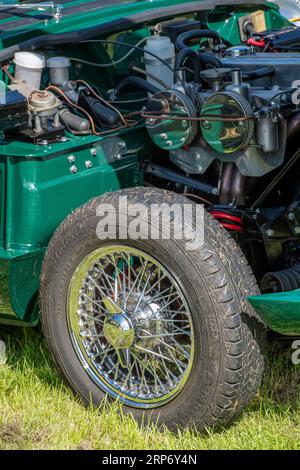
(229, 221)
(281, 281)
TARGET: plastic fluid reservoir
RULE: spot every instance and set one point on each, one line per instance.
(29, 67)
(59, 70)
(163, 48)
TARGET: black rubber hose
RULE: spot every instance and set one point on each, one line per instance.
(258, 73)
(134, 68)
(185, 53)
(136, 82)
(184, 38)
(110, 27)
(209, 59)
(39, 42)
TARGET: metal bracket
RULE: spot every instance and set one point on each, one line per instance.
(284, 224)
(56, 8)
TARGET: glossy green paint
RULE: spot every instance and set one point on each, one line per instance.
(280, 311)
(223, 19)
(38, 188)
(41, 190)
(19, 283)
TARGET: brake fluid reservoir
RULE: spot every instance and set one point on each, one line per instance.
(29, 67)
(163, 48)
(59, 70)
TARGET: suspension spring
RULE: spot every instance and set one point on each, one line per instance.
(228, 221)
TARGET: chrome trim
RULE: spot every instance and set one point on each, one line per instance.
(56, 8)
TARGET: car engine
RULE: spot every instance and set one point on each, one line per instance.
(223, 120)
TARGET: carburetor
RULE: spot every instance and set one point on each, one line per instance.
(225, 119)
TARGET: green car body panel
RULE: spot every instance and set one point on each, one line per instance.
(222, 15)
(41, 190)
(279, 311)
(41, 185)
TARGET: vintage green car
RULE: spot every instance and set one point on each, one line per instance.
(149, 196)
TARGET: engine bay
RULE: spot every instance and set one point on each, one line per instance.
(47, 95)
(223, 120)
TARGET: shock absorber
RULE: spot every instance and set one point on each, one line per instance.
(229, 221)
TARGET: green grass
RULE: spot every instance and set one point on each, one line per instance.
(37, 411)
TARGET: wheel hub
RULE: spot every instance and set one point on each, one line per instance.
(118, 331)
(148, 325)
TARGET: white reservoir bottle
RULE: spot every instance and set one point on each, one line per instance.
(29, 67)
(163, 48)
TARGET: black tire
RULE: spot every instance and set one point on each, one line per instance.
(230, 338)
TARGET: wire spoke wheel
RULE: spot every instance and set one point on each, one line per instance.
(131, 326)
(164, 330)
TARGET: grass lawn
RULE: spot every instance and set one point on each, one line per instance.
(37, 411)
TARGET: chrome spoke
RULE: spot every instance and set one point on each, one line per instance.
(170, 347)
(124, 287)
(94, 302)
(162, 335)
(131, 326)
(91, 317)
(156, 284)
(161, 356)
(137, 281)
(124, 357)
(107, 278)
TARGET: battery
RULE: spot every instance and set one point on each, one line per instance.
(173, 28)
(13, 110)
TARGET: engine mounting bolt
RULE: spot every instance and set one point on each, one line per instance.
(150, 121)
(206, 125)
(93, 152)
(88, 164)
(64, 139)
(122, 145)
(44, 142)
(71, 159)
(169, 143)
(269, 232)
(73, 169)
(291, 216)
(163, 136)
(184, 123)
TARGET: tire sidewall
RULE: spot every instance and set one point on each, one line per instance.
(80, 240)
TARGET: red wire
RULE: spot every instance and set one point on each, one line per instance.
(253, 42)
